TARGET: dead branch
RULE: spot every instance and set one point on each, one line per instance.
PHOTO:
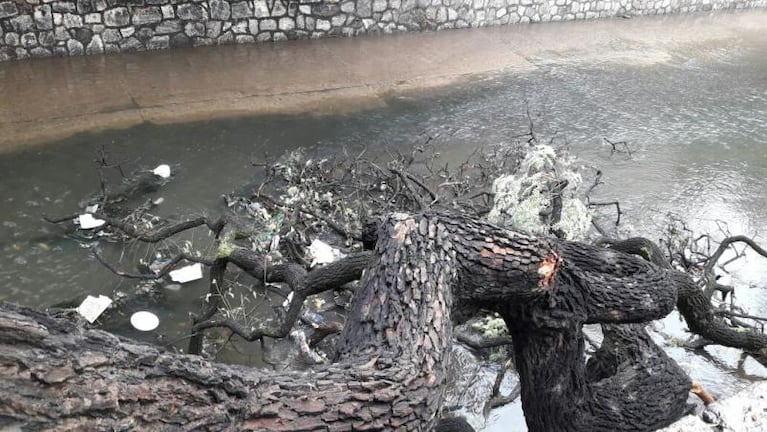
(724, 244)
(615, 145)
(162, 272)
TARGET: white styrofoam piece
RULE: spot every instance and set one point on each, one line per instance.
(187, 274)
(92, 307)
(87, 221)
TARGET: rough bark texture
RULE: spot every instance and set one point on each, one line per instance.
(630, 384)
(390, 365)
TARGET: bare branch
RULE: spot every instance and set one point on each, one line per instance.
(724, 244)
(163, 233)
(164, 270)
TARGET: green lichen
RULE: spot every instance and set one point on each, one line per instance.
(225, 249)
(490, 326)
(647, 253)
(520, 199)
(575, 220)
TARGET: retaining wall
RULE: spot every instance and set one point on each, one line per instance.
(41, 28)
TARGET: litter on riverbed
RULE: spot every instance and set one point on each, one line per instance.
(87, 221)
(162, 171)
(187, 274)
(323, 253)
(92, 307)
(144, 321)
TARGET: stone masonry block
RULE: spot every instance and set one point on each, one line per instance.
(8, 9)
(189, 11)
(43, 17)
(146, 15)
(220, 9)
(117, 17)
(241, 10)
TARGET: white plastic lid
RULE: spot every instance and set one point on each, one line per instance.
(144, 321)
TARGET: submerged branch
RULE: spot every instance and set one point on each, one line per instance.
(162, 272)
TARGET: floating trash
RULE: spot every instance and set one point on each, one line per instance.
(312, 318)
(162, 171)
(172, 287)
(144, 321)
(87, 221)
(274, 245)
(92, 208)
(323, 253)
(92, 307)
(288, 300)
(187, 274)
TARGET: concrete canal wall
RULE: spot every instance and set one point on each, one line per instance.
(41, 28)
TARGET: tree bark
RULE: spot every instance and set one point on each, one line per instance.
(389, 370)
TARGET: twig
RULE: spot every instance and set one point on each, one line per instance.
(615, 144)
(164, 270)
(730, 313)
(496, 398)
(610, 203)
(416, 198)
(415, 180)
(724, 244)
(479, 343)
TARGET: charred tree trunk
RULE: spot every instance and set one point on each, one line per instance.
(389, 372)
(390, 365)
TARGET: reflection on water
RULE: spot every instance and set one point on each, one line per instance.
(695, 125)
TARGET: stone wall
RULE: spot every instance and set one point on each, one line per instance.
(41, 28)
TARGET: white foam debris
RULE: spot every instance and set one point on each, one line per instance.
(741, 412)
(288, 300)
(162, 171)
(323, 253)
(187, 274)
(92, 307)
(87, 221)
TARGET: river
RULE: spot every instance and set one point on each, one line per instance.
(694, 119)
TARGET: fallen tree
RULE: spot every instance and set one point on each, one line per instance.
(388, 369)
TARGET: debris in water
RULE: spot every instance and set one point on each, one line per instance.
(323, 253)
(307, 353)
(312, 318)
(187, 274)
(274, 245)
(144, 321)
(87, 221)
(173, 287)
(92, 208)
(92, 307)
(162, 171)
(288, 300)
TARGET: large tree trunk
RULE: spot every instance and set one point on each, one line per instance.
(389, 371)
